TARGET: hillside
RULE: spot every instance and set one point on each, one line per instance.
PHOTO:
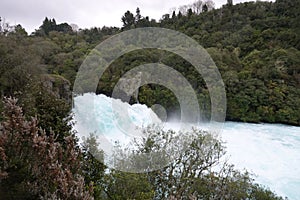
(255, 45)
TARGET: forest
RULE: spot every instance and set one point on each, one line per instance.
(255, 45)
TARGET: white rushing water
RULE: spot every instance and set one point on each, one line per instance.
(270, 151)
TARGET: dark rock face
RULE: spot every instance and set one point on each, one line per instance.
(58, 86)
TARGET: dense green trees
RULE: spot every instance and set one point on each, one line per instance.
(255, 46)
(50, 25)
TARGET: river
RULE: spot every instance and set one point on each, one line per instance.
(270, 151)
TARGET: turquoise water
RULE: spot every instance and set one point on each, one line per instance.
(270, 151)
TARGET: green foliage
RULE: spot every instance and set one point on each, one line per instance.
(128, 20)
(52, 112)
(196, 170)
(254, 49)
(93, 168)
(136, 21)
(121, 185)
(50, 25)
(33, 165)
(254, 44)
(18, 63)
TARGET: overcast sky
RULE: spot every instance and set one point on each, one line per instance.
(85, 13)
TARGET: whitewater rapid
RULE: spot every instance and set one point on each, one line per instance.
(270, 151)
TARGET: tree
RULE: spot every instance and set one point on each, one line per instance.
(18, 64)
(47, 26)
(179, 14)
(138, 16)
(204, 8)
(5, 27)
(64, 27)
(189, 13)
(184, 9)
(93, 167)
(166, 17)
(210, 5)
(50, 25)
(173, 15)
(52, 111)
(195, 168)
(197, 5)
(128, 20)
(33, 165)
(122, 185)
(19, 31)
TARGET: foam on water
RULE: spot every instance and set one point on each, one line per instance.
(272, 152)
(110, 118)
